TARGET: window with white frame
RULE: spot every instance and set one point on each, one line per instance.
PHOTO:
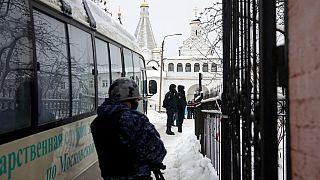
(188, 67)
(104, 83)
(171, 67)
(196, 67)
(179, 67)
(91, 85)
(205, 67)
(214, 67)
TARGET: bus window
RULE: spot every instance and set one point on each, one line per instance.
(143, 84)
(127, 55)
(103, 70)
(53, 76)
(83, 99)
(137, 71)
(16, 66)
(116, 65)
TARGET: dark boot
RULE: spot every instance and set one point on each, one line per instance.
(168, 131)
(180, 129)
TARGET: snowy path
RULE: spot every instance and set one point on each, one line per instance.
(183, 159)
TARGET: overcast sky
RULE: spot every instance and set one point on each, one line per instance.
(166, 17)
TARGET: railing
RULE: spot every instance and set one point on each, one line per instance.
(208, 119)
(85, 103)
(59, 106)
(7, 100)
(208, 127)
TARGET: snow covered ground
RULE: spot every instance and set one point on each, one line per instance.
(183, 160)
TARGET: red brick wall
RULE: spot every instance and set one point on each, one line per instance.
(304, 85)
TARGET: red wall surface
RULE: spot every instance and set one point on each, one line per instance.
(304, 86)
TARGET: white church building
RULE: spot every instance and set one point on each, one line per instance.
(194, 57)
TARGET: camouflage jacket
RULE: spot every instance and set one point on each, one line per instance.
(127, 143)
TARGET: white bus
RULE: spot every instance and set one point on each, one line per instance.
(58, 59)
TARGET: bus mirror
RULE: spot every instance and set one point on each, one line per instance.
(152, 87)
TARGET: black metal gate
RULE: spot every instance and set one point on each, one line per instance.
(255, 138)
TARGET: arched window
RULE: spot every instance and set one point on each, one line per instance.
(171, 67)
(179, 67)
(205, 67)
(188, 67)
(196, 67)
(214, 67)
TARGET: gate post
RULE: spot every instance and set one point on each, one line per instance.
(225, 124)
(268, 93)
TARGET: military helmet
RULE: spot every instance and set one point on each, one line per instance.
(172, 87)
(180, 88)
(124, 89)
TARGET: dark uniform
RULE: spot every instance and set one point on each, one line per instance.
(127, 144)
(170, 103)
(182, 103)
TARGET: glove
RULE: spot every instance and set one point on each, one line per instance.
(156, 170)
(157, 166)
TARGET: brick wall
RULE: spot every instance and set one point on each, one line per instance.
(304, 85)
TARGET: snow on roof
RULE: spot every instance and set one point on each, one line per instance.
(78, 11)
(105, 24)
(111, 28)
(155, 73)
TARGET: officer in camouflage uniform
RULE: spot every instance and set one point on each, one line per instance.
(128, 145)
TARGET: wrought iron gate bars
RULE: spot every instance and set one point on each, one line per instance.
(225, 130)
(234, 115)
(246, 89)
(242, 110)
(268, 92)
(256, 145)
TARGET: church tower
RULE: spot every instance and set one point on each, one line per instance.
(144, 33)
(196, 44)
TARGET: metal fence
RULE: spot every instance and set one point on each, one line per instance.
(208, 127)
(250, 134)
(59, 106)
(208, 118)
(251, 83)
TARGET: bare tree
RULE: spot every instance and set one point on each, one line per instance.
(15, 41)
(212, 30)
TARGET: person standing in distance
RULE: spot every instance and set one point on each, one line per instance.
(128, 145)
(182, 103)
(170, 103)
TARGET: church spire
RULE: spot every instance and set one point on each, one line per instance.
(195, 10)
(195, 24)
(119, 16)
(144, 4)
(143, 33)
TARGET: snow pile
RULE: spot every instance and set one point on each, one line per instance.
(183, 160)
(155, 116)
(192, 165)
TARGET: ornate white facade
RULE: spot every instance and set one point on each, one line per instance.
(194, 57)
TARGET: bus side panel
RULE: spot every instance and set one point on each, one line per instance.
(59, 153)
